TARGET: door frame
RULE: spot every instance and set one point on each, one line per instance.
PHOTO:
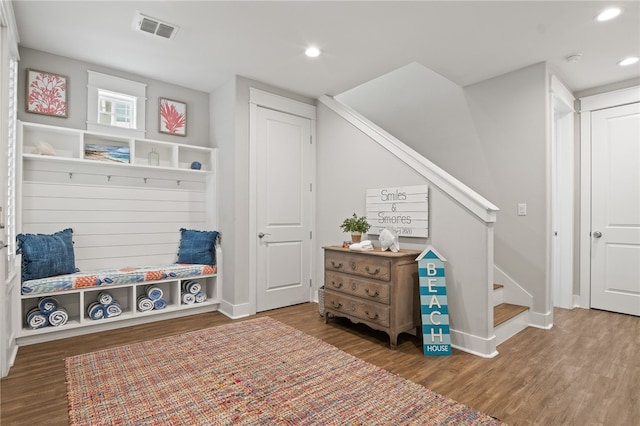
(260, 98)
(587, 105)
(562, 194)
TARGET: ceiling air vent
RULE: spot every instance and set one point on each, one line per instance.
(154, 26)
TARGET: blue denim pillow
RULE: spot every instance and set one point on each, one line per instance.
(197, 247)
(46, 255)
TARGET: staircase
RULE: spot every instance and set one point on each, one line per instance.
(508, 319)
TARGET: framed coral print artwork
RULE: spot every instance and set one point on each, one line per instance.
(46, 93)
(173, 117)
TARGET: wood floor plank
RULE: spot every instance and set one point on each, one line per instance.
(584, 371)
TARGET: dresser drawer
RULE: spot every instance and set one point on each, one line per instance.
(358, 308)
(367, 289)
(374, 267)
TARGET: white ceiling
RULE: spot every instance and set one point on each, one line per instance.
(466, 42)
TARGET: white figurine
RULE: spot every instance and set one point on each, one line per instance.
(389, 241)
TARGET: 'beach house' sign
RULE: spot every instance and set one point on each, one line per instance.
(404, 210)
(434, 308)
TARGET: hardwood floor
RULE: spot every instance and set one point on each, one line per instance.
(584, 371)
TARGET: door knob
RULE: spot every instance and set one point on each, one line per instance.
(597, 234)
(262, 234)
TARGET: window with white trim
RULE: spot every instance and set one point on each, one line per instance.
(116, 109)
(115, 105)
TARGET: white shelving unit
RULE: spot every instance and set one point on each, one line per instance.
(69, 144)
(77, 301)
(175, 186)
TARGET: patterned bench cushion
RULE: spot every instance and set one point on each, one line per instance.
(107, 277)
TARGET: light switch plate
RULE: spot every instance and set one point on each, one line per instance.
(522, 209)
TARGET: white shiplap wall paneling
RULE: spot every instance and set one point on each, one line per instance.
(121, 214)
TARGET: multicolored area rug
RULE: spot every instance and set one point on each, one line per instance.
(255, 372)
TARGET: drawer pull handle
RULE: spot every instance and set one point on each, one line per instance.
(336, 305)
(354, 266)
(375, 293)
(376, 272)
(354, 286)
(336, 265)
(338, 285)
(375, 317)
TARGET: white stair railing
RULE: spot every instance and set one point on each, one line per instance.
(461, 193)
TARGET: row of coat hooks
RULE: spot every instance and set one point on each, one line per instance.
(109, 177)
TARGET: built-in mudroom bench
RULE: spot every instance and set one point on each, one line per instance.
(133, 218)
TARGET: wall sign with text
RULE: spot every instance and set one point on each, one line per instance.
(404, 210)
(434, 307)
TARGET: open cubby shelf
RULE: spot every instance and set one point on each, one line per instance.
(76, 302)
(71, 145)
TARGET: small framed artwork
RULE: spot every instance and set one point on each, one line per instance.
(113, 153)
(46, 93)
(173, 117)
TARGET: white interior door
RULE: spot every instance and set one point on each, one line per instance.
(615, 217)
(283, 209)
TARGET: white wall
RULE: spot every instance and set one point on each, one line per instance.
(428, 113)
(492, 136)
(230, 132)
(76, 72)
(511, 117)
(222, 128)
(348, 164)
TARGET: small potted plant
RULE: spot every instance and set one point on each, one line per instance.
(357, 226)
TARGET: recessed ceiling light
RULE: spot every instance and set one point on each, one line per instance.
(628, 61)
(607, 14)
(312, 52)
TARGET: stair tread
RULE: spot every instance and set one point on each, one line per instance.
(497, 286)
(505, 311)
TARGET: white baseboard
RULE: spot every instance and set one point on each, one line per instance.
(235, 311)
(475, 345)
(540, 320)
(580, 302)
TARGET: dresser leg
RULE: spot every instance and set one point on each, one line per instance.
(393, 341)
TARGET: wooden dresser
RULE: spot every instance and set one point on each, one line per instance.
(376, 288)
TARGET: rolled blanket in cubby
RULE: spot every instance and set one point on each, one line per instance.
(188, 298)
(58, 317)
(191, 286)
(144, 303)
(36, 319)
(113, 310)
(201, 296)
(105, 298)
(47, 305)
(159, 304)
(154, 293)
(96, 311)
